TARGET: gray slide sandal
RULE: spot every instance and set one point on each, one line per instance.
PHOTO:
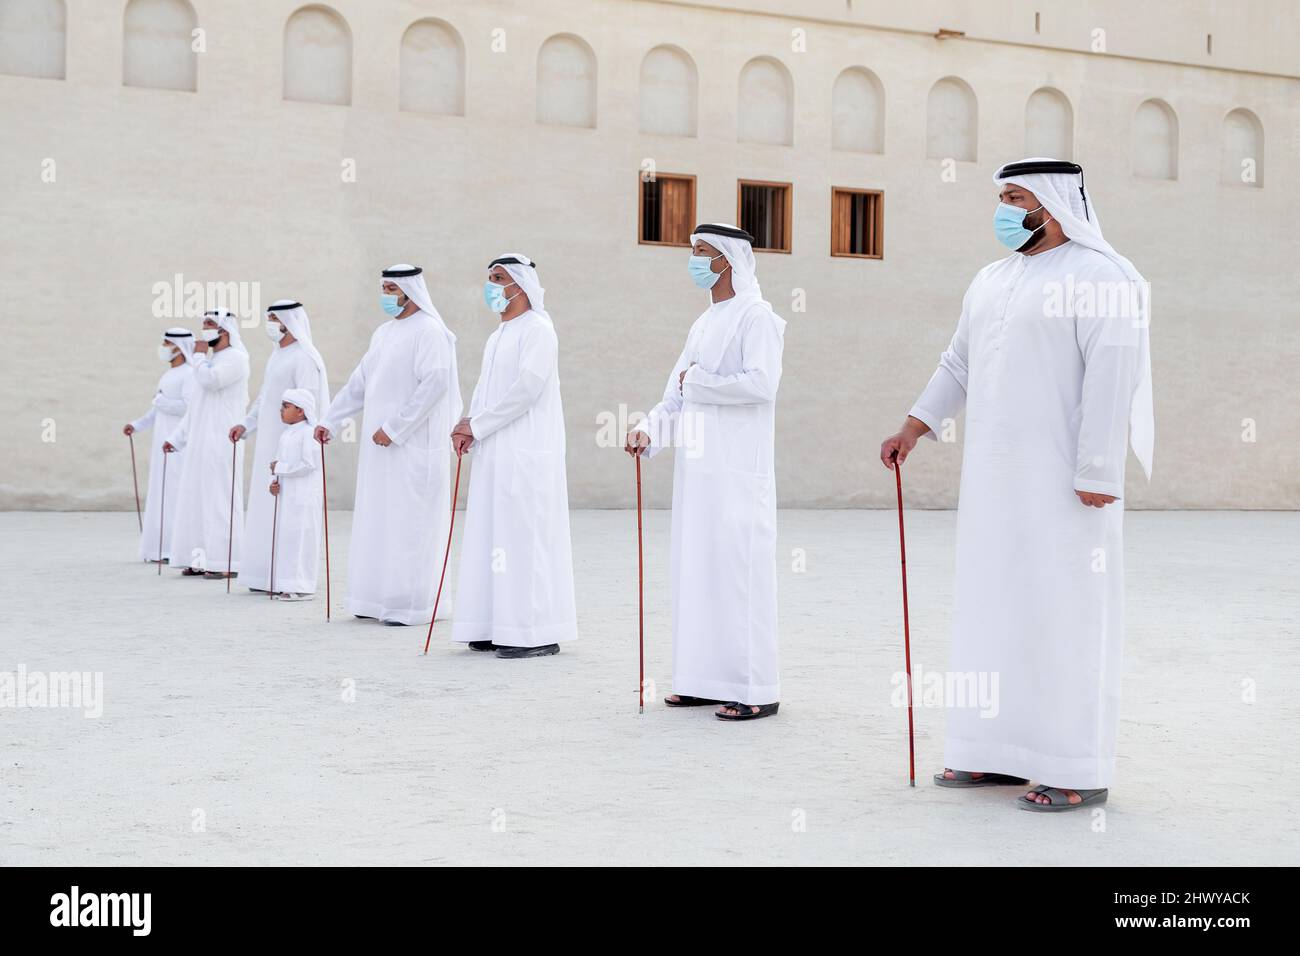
(1060, 801)
(962, 780)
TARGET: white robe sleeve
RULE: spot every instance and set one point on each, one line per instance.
(945, 395)
(539, 355)
(1110, 357)
(212, 376)
(145, 421)
(760, 375)
(306, 460)
(660, 424)
(348, 400)
(181, 435)
(171, 406)
(432, 377)
(250, 420)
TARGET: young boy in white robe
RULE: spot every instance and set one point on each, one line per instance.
(515, 586)
(297, 488)
(719, 411)
(294, 363)
(1051, 362)
(166, 412)
(207, 534)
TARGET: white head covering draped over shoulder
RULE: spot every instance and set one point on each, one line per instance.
(182, 338)
(413, 285)
(738, 247)
(295, 319)
(524, 271)
(227, 320)
(304, 399)
(1064, 197)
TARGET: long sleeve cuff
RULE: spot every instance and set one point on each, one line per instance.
(933, 421)
(1114, 489)
(398, 435)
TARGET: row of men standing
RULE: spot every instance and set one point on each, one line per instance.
(515, 592)
(1050, 359)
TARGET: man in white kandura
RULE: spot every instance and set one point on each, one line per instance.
(515, 590)
(201, 540)
(408, 386)
(166, 412)
(295, 482)
(294, 363)
(1052, 364)
(719, 411)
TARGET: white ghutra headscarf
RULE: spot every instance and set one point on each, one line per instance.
(1064, 197)
(304, 399)
(182, 338)
(295, 319)
(227, 320)
(418, 292)
(738, 247)
(524, 271)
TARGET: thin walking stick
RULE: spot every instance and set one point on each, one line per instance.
(162, 513)
(230, 538)
(275, 523)
(640, 590)
(325, 508)
(907, 633)
(136, 482)
(447, 554)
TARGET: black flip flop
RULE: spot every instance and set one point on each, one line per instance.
(685, 700)
(764, 710)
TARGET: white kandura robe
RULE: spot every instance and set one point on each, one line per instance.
(403, 497)
(515, 583)
(298, 518)
(288, 367)
(723, 425)
(201, 536)
(1039, 590)
(166, 412)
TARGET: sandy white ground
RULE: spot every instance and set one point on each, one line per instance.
(233, 709)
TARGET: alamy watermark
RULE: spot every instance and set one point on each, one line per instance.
(76, 690)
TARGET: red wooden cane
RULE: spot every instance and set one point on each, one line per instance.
(275, 524)
(230, 539)
(136, 482)
(325, 508)
(455, 494)
(640, 589)
(907, 634)
(162, 513)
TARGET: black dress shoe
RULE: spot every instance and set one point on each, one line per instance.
(364, 617)
(482, 646)
(509, 653)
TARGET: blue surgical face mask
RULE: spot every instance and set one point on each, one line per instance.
(1009, 224)
(494, 294)
(701, 270)
(389, 304)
